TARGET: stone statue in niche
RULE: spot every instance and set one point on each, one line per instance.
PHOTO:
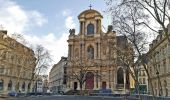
(110, 28)
(90, 53)
(72, 32)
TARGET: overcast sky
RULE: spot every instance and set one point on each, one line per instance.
(47, 22)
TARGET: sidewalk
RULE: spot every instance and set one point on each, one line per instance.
(3, 95)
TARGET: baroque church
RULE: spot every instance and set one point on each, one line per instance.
(93, 53)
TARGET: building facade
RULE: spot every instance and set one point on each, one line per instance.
(94, 53)
(57, 79)
(17, 63)
(159, 64)
(45, 86)
(40, 84)
(142, 75)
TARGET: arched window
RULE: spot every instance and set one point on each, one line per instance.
(1, 84)
(120, 79)
(90, 51)
(29, 86)
(90, 29)
(10, 85)
(23, 86)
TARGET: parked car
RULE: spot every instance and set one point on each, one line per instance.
(13, 93)
(61, 92)
(34, 94)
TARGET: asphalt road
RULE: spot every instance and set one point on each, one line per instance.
(63, 97)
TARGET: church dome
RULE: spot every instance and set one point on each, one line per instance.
(90, 13)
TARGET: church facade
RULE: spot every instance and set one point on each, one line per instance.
(93, 53)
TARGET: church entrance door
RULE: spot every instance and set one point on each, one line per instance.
(103, 85)
(89, 80)
(75, 85)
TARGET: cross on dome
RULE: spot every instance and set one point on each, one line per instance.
(90, 6)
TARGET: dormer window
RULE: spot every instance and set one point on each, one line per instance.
(90, 29)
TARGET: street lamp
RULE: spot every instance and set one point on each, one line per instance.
(157, 73)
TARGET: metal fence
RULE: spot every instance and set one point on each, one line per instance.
(131, 97)
(148, 97)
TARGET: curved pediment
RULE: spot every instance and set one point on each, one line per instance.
(91, 13)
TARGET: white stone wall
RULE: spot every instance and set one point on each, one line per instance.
(159, 60)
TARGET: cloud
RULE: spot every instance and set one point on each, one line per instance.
(66, 12)
(69, 22)
(15, 19)
(37, 17)
(56, 46)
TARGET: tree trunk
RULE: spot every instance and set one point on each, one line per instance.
(151, 86)
(149, 80)
(81, 90)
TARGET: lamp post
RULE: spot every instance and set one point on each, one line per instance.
(157, 73)
(59, 88)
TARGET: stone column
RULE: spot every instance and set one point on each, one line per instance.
(80, 51)
(99, 26)
(26, 86)
(109, 78)
(5, 85)
(84, 50)
(78, 86)
(14, 85)
(81, 27)
(99, 50)
(115, 78)
(72, 54)
(124, 74)
(112, 78)
(69, 52)
(100, 78)
(97, 79)
(84, 27)
(95, 82)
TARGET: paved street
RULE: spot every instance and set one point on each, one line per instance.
(62, 98)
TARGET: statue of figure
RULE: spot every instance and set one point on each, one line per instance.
(90, 53)
(110, 28)
(72, 31)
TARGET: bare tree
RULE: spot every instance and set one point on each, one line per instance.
(146, 13)
(156, 10)
(126, 58)
(20, 38)
(42, 55)
(78, 69)
(127, 21)
(43, 61)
